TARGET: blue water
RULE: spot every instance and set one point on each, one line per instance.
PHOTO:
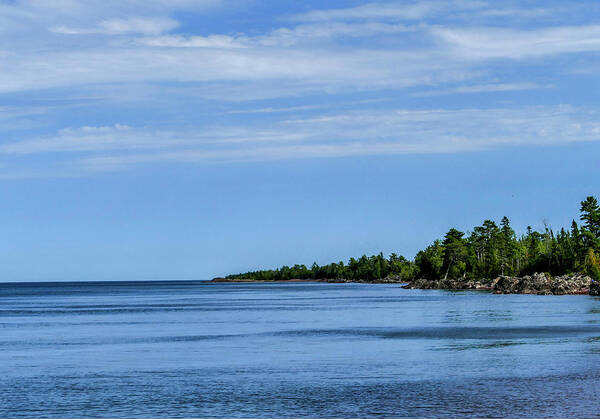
(294, 350)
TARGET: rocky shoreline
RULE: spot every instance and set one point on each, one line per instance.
(388, 280)
(538, 283)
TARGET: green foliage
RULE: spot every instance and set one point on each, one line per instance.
(365, 268)
(592, 265)
(455, 254)
(590, 215)
(484, 249)
(429, 262)
(488, 251)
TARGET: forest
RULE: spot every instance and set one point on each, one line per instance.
(489, 250)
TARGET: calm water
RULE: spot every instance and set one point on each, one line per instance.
(289, 350)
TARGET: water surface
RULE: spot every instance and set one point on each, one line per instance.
(191, 349)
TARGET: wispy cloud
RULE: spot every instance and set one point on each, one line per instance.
(144, 26)
(484, 88)
(178, 41)
(325, 31)
(86, 139)
(10, 112)
(177, 90)
(496, 43)
(399, 132)
(126, 138)
(405, 11)
(97, 8)
(282, 37)
(316, 69)
(309, 107)
(515, 12)
(349, 49)
(278, 110)
(330, 135)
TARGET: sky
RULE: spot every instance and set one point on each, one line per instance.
(187, 139)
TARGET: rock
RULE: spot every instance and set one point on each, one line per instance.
(537, 283)
(393, 279)
(448, 284)
(541, 284)
(505, 285)
(595, 288)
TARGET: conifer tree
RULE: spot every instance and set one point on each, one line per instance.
(455, 252)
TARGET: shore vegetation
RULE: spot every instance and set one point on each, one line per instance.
(487, 251)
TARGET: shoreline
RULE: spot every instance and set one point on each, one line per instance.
(301, 281)
(250, 281)
(538, 283)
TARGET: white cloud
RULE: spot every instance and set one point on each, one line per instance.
(122, 138)
(26, 22)
(390, 10)
(15, 118)
(485, 88)
(521, 13)
(367, 51)
(282, 37)
(177, 41)
(278, 110)
(144, 26)
(338, 105)
(82, 139)
(95, 139)
(375, 49)
(411, 11)
(95, 8)
(496, 43)
(10, 112)
(329, 135)
(324, 31)
(310, 69)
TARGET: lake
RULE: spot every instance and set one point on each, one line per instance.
(193, 349)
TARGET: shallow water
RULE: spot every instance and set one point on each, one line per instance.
(286, 350)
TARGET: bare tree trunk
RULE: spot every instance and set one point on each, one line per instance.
(447, 270)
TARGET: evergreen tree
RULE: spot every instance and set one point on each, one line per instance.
(487, 252)
(454, 253)
(429, 262)
(590, 215)
(508, 247)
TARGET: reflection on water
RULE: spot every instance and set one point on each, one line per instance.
(273, 350)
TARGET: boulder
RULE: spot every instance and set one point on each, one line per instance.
(542, 284)
(538, 283)
(505, 285)
(448, 284)
(595, 288)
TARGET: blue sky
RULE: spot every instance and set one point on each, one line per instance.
(180, 139)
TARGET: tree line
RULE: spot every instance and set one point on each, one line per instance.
(488, 251)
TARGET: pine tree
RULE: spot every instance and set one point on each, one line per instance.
(455, 251)
(507, 247)
(590, 215)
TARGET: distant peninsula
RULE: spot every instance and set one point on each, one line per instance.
(491, 257)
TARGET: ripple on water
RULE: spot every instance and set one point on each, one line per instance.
(294, 350)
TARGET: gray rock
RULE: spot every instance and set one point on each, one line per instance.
(541, 284)
(449, 284)
(595, 288)
(537, 283)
